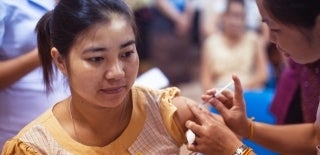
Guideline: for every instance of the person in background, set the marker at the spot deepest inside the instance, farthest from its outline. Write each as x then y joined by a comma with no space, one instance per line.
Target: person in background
105,113
173,40
294,28
22,92
234,50
143,16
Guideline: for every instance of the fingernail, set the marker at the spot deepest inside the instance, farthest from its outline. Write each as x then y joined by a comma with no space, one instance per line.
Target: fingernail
188,124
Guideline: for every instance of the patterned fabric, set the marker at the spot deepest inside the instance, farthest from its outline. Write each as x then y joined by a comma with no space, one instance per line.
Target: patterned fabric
150,131
307,77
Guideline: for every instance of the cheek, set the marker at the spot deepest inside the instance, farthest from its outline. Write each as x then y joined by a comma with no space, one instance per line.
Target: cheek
132,68
80,75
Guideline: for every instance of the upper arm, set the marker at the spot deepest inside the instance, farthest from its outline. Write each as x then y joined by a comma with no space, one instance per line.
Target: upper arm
183,112
16,146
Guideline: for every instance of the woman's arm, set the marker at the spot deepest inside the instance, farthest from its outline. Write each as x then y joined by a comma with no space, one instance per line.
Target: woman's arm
287,139
14,69
183,112
291,139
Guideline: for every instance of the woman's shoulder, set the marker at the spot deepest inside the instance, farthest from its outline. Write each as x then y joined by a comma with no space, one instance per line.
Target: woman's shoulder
39,120
42,134
168,91
16,146
26,136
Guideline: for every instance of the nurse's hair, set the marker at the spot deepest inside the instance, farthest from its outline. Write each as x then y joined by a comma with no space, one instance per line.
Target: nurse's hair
297,13
62,26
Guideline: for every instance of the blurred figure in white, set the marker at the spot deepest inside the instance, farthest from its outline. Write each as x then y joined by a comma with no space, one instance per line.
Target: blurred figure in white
22,92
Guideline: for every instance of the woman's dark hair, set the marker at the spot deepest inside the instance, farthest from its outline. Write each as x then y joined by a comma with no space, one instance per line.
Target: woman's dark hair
60,28
297,13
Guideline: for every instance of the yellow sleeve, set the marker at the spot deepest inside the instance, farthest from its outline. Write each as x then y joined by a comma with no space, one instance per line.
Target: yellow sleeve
168,110
16,146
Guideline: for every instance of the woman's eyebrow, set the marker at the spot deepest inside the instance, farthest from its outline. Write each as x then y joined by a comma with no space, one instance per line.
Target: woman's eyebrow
128,43
95,49
101,49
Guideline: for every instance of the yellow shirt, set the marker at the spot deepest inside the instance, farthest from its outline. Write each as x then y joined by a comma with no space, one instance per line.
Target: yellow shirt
153,129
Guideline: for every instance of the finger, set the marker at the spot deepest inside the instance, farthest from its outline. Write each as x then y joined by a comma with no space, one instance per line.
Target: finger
223,110
238,91
228,99
192,147
218,118
199,113
195,146
209,94
211,91
222,98
194,127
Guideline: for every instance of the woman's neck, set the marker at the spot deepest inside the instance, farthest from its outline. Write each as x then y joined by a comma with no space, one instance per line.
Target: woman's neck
90,123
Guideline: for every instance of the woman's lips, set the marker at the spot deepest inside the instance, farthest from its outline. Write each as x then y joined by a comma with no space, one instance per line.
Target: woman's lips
113,90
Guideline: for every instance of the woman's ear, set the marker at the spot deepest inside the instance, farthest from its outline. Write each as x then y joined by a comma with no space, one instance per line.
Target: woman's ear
59,60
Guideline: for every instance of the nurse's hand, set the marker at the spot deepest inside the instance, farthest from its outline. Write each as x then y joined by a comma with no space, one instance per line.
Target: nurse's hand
232,108
212,135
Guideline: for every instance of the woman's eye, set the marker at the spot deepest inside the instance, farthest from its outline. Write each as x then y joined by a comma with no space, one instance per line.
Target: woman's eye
127,54
275,30
95,59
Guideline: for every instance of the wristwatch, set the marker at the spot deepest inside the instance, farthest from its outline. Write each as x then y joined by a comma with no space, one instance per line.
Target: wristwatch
241,150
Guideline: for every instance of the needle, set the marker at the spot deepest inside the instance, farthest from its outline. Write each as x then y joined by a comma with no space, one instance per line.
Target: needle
217,93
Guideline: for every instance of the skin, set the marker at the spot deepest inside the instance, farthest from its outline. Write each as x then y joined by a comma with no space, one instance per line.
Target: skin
181,20
302,46
13,70
101,68
234,20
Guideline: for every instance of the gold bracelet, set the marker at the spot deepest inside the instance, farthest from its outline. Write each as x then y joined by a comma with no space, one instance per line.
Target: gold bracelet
247,151
243,150
251,128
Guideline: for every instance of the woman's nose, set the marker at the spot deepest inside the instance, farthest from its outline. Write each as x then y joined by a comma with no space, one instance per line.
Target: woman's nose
115,71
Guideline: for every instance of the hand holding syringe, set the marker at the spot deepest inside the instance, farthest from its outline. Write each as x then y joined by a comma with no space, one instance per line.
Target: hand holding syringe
217,93
189,134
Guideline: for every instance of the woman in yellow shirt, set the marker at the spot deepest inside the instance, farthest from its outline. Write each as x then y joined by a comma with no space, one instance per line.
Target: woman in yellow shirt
93,44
